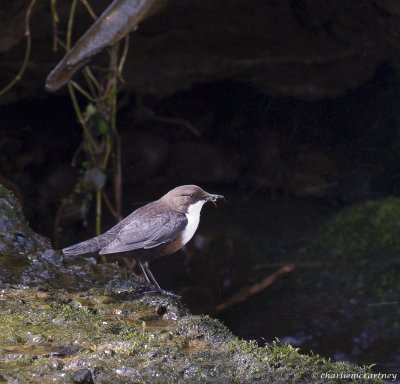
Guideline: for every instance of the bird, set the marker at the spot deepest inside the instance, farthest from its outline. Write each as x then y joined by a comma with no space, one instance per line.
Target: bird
157,229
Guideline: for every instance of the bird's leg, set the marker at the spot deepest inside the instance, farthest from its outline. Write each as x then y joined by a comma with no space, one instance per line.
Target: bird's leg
150,276
155,284
144,272
152,281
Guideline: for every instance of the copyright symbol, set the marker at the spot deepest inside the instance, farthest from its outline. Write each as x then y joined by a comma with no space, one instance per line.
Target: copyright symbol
314,375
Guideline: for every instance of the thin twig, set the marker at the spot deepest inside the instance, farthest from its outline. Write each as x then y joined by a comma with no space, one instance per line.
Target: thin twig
246,292
170,120
111,100
110,206
118,177
122,60
70,24
88,137
71,90
99,146
98,211
82,91
27,50
89,9
118,67
91,79
54,21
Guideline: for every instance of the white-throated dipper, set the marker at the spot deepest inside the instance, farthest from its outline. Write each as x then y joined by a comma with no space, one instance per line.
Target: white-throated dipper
157,229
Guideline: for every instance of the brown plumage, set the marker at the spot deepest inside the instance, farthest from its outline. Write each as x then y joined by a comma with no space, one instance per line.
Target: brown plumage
157,229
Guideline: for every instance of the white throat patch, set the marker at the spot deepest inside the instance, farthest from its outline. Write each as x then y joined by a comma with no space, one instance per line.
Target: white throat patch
193,216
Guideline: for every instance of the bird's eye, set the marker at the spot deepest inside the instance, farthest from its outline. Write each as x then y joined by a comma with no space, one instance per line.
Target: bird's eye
191,195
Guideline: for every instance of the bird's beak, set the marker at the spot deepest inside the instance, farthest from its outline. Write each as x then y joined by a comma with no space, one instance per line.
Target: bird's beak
214,198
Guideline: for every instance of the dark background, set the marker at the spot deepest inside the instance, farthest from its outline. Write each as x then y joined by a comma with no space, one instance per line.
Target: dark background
288,108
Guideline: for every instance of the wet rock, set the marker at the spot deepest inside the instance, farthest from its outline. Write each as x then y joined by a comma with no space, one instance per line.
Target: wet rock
190,348
83,376
15,235
28,258
53,257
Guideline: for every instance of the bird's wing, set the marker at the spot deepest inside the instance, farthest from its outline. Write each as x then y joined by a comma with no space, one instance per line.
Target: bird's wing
148,232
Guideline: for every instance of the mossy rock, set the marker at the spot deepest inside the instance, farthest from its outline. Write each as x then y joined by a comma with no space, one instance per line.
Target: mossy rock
364,242
364,228
52,336
353,289
76,321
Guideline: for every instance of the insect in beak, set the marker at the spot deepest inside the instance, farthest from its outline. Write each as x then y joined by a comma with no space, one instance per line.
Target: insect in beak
214,198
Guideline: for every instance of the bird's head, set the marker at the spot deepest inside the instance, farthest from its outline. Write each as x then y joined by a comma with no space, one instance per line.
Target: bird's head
188,197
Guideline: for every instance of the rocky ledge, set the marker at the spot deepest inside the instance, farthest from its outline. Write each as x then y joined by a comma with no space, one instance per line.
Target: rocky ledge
64,320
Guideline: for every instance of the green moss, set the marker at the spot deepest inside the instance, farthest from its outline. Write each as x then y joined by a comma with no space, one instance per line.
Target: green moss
54,334
364,242
202,327
359,229
67,312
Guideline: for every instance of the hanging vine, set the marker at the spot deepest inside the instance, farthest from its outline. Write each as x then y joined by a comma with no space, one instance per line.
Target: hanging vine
97,116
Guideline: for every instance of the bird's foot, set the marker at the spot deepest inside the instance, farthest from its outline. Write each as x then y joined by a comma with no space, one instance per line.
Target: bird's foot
150,290
170,294
144,289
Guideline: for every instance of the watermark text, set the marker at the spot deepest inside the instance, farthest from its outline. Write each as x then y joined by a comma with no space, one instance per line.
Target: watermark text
356,376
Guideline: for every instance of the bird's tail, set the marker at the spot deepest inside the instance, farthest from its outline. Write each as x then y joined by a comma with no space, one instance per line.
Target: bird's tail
88,246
